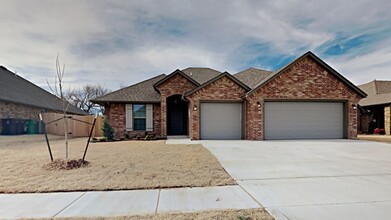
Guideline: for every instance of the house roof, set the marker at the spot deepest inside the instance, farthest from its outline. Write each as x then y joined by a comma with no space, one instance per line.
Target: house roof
201,74
379,92
140,92
252,76
177,71
215,79
251,79
317,60
16,89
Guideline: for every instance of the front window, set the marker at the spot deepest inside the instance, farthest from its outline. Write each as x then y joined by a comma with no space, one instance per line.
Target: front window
139,117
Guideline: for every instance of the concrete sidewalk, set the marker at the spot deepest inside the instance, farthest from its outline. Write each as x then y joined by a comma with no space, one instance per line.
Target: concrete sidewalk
123,203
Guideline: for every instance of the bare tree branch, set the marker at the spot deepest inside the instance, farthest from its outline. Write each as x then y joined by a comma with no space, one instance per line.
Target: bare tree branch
81,97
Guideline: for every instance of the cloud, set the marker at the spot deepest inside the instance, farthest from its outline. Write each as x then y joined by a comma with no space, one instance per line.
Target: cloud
121,42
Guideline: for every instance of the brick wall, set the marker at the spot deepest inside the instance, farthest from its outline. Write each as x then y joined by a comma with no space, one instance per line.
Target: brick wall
116,115
223,89
18,111
13,110
176,85
305,80
387,119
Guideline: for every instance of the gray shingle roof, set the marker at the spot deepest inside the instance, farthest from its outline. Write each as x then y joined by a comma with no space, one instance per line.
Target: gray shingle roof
379,92
252,76
14,88
139,92
201,74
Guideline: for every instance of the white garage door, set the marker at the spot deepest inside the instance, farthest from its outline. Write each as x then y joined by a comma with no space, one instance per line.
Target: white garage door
221,121
303,120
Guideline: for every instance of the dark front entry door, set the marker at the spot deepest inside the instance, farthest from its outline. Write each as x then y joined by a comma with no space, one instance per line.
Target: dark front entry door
177,116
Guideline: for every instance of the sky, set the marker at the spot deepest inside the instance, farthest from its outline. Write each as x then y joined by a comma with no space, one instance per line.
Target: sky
118,43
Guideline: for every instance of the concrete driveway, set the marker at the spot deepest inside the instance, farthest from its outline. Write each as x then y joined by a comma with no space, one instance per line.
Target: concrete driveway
325,179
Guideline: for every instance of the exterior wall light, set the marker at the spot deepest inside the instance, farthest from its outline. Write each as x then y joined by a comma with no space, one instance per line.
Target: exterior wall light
258,104
354,106
195,108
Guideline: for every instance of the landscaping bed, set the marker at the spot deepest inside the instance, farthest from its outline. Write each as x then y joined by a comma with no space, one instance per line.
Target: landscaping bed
113,166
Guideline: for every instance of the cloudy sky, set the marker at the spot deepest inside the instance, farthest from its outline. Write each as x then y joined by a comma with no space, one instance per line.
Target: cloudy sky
117,43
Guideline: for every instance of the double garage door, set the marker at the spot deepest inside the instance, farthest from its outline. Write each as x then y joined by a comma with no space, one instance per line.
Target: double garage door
304,120
282,120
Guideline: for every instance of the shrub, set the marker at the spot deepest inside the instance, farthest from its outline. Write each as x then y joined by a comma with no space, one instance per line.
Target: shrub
379,131
107,130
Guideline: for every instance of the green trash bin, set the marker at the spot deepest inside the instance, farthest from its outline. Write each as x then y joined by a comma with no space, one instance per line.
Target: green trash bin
32,127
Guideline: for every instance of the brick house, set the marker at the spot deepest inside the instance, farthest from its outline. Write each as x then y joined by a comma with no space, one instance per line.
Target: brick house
305,99
375,109
21,99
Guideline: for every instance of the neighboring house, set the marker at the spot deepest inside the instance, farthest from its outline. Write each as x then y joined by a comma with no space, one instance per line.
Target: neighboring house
21,99
375,108
306,99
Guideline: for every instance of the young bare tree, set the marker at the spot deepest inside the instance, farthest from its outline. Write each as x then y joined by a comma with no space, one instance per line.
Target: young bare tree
81,97
57,89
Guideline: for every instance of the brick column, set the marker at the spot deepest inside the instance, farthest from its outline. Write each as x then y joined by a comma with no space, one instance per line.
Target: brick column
163,106
387,120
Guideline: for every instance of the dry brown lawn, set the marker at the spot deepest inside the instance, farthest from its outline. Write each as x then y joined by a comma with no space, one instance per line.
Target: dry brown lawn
229,214
114,166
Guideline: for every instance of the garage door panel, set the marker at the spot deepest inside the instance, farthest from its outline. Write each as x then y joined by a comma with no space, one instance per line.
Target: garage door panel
221,121
303,120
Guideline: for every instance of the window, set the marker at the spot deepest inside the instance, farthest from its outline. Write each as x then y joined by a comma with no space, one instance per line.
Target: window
139,117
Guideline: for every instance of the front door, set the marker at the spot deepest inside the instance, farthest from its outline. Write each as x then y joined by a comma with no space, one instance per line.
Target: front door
176,115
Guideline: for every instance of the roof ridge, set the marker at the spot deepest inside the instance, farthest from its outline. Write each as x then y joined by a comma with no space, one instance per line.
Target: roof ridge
33,84
71,108
377,92
146,80
253,68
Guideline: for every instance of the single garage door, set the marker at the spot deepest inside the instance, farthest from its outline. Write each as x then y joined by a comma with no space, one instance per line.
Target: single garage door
304,120
221,121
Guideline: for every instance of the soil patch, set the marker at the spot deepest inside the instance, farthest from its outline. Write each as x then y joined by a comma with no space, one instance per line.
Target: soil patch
60,164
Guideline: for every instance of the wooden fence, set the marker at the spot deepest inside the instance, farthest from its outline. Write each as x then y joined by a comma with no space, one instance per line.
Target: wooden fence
76,128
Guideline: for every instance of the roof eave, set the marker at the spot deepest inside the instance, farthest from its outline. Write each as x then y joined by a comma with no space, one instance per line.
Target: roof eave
42,107
100,102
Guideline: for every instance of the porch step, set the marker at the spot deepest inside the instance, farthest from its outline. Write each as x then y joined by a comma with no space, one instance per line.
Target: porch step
177,137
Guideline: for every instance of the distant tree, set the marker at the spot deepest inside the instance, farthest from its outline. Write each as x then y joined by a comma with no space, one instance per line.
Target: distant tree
107,130
81,97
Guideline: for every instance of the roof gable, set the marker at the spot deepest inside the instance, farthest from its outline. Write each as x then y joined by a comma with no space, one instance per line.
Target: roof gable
16,89
320,62
176,72
231,77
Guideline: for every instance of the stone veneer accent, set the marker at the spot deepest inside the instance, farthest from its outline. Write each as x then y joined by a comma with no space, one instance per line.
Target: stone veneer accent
176,85
115,114
387,119
223,89
304,80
